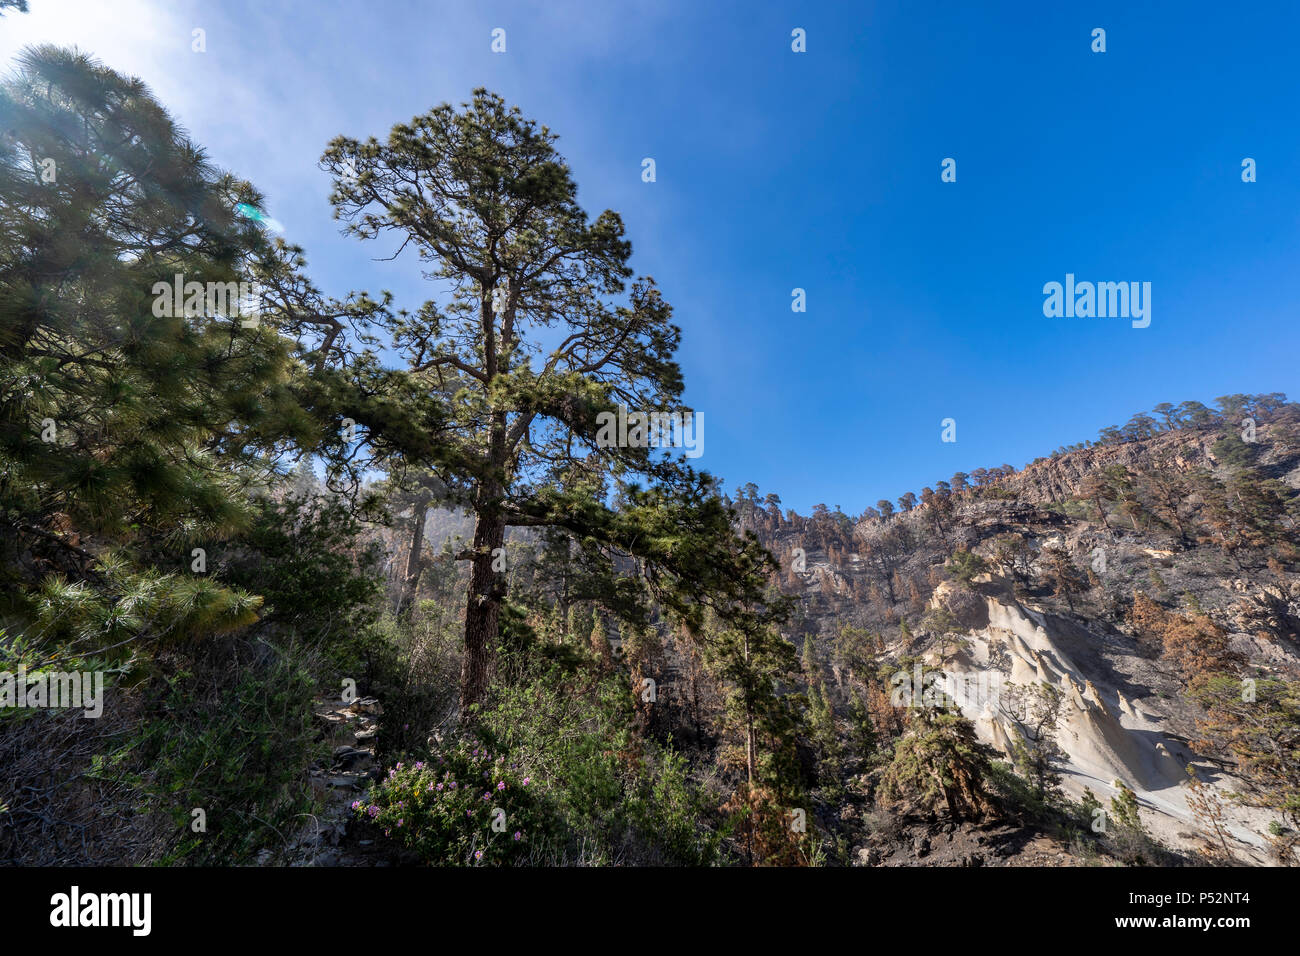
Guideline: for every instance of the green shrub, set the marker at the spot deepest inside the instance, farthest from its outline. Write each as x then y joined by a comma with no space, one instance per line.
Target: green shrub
235,737
306,556
596,792
465,806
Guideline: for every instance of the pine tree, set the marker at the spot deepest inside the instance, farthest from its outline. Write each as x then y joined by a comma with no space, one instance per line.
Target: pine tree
1124,809
131,435
1035,711
824,734
758,668
490,206
112,416
1260,730
862,730
598,641
939,762
965,566
1094,488
1063,574
811,666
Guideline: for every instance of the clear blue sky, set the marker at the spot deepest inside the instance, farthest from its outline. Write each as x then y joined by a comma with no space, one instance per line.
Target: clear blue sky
821,170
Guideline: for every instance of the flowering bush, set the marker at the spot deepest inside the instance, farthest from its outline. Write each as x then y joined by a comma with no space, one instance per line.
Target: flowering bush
465,806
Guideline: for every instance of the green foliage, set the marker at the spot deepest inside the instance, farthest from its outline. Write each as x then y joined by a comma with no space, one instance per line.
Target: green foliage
1018,797
1124,809
131,433
112,417
462,807
1127,839
824,736
121,616
940,762
620,798
1088,806
595,793
234,738
862,732
759,669
856,648
1232,451
496,219
319,580
965,565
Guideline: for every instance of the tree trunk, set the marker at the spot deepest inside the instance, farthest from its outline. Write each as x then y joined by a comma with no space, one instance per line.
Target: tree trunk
953,809
482,609
487,589
414,560
749,726
1101,512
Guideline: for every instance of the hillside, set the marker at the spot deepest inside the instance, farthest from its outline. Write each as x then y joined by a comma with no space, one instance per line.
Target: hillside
1192,519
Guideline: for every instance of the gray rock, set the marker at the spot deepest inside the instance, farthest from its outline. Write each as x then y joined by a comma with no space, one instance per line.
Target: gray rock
350,758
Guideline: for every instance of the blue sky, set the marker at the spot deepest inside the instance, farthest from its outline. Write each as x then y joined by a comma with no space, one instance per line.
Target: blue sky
821,170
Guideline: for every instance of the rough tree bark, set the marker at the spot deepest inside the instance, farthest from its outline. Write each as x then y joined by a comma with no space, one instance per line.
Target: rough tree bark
487,588
414,558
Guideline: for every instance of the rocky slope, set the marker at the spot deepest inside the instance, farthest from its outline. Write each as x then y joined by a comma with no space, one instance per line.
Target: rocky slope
1125,717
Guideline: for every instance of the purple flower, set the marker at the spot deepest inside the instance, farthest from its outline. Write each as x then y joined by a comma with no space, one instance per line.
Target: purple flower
431,786
518,835
478,854
419,765
501,785
356,804
526,780
453,785
400,822
373,811
399,765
